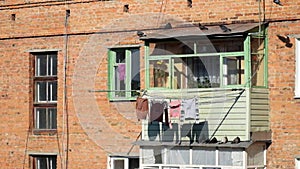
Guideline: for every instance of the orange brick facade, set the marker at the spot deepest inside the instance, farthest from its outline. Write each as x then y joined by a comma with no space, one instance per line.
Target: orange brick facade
89,126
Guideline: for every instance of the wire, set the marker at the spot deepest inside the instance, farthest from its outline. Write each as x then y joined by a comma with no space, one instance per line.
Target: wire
65,131
26,146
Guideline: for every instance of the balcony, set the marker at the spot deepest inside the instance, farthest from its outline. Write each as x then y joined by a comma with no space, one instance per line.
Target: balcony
220,112
225,76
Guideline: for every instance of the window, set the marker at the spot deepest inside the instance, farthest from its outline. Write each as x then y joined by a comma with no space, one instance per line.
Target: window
297,76
43,162
206,63
196,64
123,162
124,73
211,157
45,90
258,61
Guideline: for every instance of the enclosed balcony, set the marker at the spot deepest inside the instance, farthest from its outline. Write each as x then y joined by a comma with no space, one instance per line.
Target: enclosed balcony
224,75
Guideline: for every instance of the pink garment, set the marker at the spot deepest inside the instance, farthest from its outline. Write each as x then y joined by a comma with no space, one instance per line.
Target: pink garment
121,71
174,108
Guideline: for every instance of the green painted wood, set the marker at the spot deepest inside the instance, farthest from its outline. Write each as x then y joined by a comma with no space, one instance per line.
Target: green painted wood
259,109
213,109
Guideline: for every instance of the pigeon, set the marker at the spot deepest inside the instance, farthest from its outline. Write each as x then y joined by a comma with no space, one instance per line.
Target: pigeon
213,140
140,34
224,140
277,2
224,28
285,40
236,140
202,27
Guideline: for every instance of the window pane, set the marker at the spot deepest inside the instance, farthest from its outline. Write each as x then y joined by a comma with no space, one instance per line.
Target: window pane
120,73
231,157
256,155
204,156
159,73
41,91
52,65
171,48
42,163
118,164
178,156
40,118
257,61
203,72
220,45
147,156
135,71
41,65
52,91
45,162
233,70
120,56
52,118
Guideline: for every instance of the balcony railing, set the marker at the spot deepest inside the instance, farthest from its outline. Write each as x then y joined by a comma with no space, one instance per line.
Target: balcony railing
221,112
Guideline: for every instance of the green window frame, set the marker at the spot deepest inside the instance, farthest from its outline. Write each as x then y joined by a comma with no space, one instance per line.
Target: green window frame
124,73
242,70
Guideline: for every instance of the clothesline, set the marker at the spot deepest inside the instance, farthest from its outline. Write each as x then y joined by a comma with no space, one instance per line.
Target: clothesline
179,90
205,95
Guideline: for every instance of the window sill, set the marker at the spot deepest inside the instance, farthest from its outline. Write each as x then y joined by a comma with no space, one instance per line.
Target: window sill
297,97
49,132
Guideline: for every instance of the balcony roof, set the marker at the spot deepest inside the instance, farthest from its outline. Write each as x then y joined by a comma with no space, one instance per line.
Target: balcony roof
193,31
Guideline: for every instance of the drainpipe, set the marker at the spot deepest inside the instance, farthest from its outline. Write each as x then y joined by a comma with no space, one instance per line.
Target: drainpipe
65,101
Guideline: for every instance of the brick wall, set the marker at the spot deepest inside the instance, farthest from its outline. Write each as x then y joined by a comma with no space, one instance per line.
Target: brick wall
284,115
98,127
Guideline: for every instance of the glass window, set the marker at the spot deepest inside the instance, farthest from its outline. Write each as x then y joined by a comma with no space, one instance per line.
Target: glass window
46,91
45,118
124,72
45,87
258,61
171,48
256,155
45,65
233,70
159,73
204,156
203,72
228,157
152,155
178,155
44,162
197,64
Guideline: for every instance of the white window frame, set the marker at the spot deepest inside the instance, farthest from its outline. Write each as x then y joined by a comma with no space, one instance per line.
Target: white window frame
297,66
297,163
49,158
49,118
112,159
50,90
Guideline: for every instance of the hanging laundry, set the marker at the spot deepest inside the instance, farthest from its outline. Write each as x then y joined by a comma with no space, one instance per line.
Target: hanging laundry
174,108
189,108
141,108
157,110
121,71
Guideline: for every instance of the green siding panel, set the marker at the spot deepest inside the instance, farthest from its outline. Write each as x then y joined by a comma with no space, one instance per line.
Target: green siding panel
259,105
